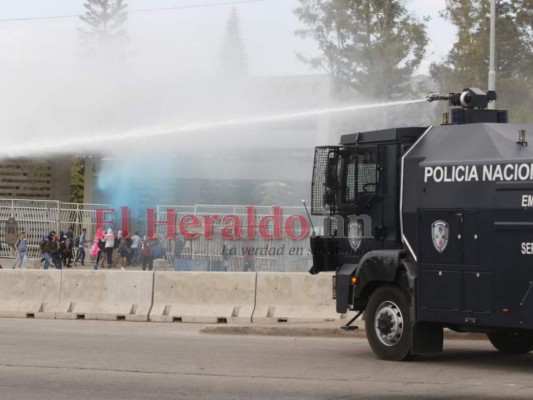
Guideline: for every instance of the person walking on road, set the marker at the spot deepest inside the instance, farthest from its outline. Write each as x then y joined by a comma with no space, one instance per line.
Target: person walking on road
21,248
146,254
109,239
46,248
179,246
80,243
124,250
56,252
136,242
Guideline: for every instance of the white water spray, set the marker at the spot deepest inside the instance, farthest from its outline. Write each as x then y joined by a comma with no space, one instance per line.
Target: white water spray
94,143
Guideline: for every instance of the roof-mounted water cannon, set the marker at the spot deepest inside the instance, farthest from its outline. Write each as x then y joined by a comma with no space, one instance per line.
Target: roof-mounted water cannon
473,103
469,98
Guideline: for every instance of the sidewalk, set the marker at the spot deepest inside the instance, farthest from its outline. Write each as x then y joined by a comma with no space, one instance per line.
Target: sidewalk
34,263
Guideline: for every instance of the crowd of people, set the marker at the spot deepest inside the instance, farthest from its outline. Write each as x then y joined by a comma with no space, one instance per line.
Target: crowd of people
107,249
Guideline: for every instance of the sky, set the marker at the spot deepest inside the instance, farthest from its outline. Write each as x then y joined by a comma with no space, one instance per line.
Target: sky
50,87
267,28
164,98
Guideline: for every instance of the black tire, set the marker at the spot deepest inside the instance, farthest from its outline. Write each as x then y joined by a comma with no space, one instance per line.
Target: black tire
388,324
512,343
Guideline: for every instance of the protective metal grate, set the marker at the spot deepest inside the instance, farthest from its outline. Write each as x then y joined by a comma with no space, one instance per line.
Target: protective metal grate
318,185
367,172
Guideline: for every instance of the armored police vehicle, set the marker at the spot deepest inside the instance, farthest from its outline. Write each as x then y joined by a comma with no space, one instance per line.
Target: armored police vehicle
431,228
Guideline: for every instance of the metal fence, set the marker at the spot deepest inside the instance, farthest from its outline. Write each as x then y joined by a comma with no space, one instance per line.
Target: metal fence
38,217
218,253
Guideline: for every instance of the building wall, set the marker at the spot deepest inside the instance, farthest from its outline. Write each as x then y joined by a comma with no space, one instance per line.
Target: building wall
35,179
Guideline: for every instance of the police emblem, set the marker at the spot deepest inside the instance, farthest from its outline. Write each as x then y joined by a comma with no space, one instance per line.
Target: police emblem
439,231
355,234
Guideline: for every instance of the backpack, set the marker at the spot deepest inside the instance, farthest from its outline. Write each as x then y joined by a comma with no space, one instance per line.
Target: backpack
49,246
77,242
158,251
123,246
21,246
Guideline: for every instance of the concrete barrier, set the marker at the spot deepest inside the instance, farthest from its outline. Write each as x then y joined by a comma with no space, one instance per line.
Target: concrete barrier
217,297
107,295
161,264
34,263
29,293
294,297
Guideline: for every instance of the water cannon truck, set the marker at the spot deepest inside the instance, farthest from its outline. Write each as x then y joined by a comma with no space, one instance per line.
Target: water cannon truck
431,228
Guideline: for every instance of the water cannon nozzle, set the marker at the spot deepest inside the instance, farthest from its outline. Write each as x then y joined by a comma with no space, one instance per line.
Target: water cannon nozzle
436,97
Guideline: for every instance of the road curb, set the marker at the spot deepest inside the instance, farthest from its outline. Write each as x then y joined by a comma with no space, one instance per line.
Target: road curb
315,331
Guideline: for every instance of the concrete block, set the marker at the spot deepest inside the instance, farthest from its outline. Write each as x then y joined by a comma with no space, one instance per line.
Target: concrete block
34,263
106,295
161,264
294,297
205,297
29,293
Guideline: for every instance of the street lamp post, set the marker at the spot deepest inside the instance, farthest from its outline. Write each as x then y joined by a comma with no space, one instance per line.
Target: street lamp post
492,68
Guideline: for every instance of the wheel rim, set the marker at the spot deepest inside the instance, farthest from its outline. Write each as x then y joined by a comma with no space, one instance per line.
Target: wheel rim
388,323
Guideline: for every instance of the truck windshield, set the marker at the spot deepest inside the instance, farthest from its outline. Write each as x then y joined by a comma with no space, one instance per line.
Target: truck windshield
359,177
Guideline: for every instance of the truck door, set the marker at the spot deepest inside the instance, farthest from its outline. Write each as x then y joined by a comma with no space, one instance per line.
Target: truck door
441,252
450,277
360,200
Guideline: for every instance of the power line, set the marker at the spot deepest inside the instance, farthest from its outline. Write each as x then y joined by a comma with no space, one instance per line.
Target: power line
205,5
228,3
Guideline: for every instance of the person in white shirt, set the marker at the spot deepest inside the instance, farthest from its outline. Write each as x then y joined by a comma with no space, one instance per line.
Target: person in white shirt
135,248
109,239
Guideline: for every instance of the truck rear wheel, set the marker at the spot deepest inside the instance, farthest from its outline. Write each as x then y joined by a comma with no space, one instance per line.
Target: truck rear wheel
512,343
388,326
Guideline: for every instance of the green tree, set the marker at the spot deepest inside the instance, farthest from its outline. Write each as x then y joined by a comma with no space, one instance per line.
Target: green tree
105,20
467,63
77,173
233,62
372,46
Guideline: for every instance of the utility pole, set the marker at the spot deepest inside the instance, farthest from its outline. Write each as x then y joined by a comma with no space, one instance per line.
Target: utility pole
492,68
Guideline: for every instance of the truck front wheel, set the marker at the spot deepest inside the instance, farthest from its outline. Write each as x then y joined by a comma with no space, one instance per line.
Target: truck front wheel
512,343
388,326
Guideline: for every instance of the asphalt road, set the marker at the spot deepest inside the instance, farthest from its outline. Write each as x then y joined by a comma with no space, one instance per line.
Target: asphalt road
52,359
